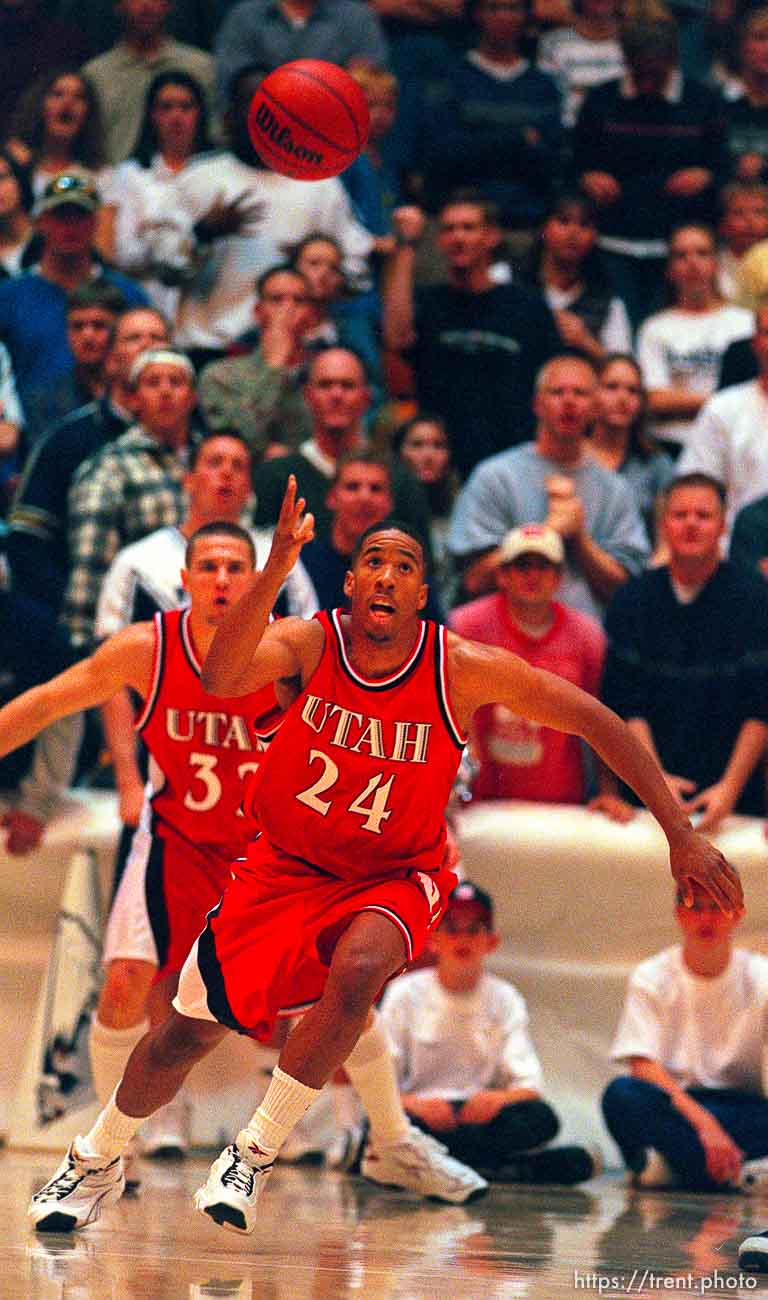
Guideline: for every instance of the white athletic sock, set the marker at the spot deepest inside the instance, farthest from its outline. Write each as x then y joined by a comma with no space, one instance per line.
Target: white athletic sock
109,1050
372,1071
284,1103
346,1105
111,1133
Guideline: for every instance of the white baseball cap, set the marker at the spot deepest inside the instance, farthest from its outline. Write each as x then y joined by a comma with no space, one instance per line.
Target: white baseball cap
532,539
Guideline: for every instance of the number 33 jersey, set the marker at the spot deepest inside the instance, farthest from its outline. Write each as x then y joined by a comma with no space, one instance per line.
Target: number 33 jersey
202,748
357,779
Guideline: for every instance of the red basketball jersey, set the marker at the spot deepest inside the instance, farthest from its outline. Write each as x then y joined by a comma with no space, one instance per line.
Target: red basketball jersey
201,747
357,779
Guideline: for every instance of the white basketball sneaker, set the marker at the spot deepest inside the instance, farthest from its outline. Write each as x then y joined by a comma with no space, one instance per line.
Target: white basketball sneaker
753,1253
79,1190
419,1163
231,1191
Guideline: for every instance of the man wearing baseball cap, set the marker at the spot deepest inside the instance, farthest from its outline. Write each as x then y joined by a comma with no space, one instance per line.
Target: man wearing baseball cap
33,306
520,759
467,1069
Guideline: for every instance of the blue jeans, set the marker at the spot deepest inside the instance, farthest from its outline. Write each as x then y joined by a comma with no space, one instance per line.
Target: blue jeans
640,1115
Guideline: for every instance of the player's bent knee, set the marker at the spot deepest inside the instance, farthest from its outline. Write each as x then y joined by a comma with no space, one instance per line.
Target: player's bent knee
182,1040
357,979
122,1001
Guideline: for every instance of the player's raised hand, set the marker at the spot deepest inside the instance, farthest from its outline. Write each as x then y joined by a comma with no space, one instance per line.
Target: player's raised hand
294,529
693,859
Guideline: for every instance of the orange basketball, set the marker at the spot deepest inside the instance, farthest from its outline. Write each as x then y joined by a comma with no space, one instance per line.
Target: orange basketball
308,119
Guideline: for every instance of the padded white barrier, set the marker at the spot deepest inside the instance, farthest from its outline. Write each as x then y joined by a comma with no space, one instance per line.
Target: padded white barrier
579,901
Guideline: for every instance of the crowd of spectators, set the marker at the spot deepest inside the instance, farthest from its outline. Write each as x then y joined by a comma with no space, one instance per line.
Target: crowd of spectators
529,307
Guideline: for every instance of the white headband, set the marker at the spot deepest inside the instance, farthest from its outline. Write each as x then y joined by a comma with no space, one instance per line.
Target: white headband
160,356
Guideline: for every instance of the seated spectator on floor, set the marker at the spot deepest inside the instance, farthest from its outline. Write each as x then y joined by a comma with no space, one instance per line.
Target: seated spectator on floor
467,1069
497,124
584,54
260,394
39,519
727,440
260,31
618,440
519,759
360,495
132,486
743,223
57,127
422,445
681,348
554,480
92,311
33,306
692,1111
17,250
687,664
650,150
337,396
246,219
122,74
565,266
475,346
154,238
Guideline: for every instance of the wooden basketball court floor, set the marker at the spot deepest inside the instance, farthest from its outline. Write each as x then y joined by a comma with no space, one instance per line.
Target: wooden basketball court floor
326,1236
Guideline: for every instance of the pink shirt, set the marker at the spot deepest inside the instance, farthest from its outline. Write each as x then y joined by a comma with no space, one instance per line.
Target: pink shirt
520,759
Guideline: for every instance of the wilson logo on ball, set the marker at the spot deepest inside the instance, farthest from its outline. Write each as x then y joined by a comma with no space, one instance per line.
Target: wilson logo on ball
281,137
308,119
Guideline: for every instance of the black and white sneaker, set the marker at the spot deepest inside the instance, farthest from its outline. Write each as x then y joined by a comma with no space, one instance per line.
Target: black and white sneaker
231,1191
753,1253
79,1190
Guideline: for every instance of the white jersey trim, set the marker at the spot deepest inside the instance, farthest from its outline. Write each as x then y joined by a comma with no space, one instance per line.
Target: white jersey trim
158,663
441,642
376,683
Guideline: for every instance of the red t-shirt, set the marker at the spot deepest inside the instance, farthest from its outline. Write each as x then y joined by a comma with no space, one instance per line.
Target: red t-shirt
520,759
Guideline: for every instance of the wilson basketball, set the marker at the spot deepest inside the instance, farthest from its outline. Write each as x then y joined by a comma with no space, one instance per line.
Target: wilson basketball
308,119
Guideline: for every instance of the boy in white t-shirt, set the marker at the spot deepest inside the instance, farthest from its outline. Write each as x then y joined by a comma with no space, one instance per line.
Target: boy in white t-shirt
692,1112
467,1069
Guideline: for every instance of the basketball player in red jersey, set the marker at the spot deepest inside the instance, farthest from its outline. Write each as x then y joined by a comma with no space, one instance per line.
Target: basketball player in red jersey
348,875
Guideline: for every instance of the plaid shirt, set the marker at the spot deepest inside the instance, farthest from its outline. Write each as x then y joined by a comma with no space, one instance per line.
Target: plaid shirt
130,488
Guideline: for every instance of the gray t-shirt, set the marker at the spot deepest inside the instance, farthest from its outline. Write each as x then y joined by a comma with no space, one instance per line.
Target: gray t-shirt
507,490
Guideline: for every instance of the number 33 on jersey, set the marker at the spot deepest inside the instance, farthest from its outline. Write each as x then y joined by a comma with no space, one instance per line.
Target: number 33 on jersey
202,748
357,779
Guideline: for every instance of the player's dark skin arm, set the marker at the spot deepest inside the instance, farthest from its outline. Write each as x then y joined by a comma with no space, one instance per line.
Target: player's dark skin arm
247,652
487,675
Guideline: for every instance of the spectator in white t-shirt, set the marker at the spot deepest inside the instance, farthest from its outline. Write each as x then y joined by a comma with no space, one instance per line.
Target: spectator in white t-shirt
692,1111
728,439
680,348
585,54
467,1069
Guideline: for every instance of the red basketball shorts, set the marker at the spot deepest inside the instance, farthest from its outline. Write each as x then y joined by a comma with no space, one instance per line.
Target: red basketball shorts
266,949
168,888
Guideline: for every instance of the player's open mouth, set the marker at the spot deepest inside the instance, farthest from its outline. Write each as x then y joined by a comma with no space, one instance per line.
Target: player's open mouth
381,608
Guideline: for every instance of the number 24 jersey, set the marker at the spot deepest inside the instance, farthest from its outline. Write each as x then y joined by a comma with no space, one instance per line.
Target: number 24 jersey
357,779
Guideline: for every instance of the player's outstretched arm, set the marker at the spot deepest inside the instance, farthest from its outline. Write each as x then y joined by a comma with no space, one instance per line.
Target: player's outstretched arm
246,651
487,675
123,660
